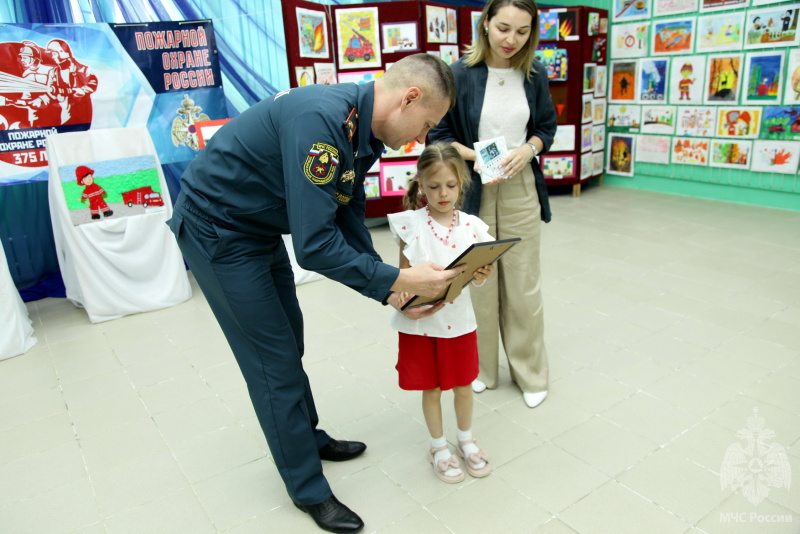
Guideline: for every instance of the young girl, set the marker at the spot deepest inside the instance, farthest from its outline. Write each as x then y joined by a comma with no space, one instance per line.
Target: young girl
440,352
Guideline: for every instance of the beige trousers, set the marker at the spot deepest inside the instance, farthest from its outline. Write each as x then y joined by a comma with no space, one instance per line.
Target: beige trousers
508,306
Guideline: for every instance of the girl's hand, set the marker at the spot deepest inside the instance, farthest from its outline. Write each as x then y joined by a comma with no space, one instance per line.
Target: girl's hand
516,160
482,273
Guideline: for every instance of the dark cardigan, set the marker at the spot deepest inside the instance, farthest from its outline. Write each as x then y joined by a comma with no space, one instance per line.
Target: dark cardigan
461,123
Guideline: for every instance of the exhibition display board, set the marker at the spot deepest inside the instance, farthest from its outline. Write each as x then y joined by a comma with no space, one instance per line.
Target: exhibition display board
109,205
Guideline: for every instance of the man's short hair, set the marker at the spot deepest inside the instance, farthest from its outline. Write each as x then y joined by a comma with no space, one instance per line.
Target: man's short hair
427,72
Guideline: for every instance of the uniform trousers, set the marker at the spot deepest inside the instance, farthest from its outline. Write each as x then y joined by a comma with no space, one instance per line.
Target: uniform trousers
508,306
249,285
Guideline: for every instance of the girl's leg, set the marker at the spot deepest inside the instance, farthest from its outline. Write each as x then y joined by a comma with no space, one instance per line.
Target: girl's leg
432,410
463,406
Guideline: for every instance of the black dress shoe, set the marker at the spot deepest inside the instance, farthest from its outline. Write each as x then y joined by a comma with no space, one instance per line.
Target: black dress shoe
333,516
339,451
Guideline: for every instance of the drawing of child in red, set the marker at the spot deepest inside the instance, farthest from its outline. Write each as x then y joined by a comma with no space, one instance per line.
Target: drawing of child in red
92,192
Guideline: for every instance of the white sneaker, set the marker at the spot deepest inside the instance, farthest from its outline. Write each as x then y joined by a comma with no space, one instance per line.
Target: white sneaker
478,386
531,399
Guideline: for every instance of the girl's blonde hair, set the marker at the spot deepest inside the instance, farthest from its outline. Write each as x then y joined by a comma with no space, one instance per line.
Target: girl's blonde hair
478,51
434,155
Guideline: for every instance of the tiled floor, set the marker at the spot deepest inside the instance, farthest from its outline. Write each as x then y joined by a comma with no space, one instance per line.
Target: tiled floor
669,321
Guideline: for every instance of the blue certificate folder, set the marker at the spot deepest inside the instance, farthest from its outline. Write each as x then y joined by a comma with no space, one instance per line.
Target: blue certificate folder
477,255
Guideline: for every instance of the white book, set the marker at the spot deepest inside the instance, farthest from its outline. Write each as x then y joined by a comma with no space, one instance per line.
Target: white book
489,154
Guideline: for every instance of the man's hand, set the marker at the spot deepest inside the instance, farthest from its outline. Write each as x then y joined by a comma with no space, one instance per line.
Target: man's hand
396,300
425,279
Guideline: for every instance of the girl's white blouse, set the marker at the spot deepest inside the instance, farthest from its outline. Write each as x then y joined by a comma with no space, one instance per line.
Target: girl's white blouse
421,245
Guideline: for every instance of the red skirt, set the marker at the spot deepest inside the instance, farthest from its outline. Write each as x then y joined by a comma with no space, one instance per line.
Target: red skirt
426,362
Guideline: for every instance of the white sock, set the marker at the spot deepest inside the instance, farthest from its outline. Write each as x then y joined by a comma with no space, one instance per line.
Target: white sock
469,447
443,454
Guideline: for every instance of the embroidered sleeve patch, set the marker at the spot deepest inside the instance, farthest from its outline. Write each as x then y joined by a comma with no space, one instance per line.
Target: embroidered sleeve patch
321,163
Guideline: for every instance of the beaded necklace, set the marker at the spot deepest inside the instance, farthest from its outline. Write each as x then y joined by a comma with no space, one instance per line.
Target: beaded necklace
445,239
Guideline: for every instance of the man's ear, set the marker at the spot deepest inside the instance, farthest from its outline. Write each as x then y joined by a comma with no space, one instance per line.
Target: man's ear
413,94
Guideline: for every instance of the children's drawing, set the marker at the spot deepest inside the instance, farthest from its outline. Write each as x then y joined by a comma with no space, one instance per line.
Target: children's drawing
554,60
586,137
600,81
776,156
629,40
717,5
312,32
452,26
771,27
597,162
762,77
558,166
696,121
548,25
586,165
791,94
674,36
653,149
624,117
743,122
653,80
399,37
372,186
599,105
689,151
730,153
720,32
621,148
586,105
658,119
589,77
780,123
623,80
564,140
625,10
673,7
359,44
395,177
567,25
598,136
436,24
722,78
686,79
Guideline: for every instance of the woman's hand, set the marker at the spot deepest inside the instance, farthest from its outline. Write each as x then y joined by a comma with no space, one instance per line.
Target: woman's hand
516,160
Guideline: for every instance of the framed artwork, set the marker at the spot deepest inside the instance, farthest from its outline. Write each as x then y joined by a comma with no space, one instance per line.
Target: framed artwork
720,32
653,149
395,177
449,53
624,117
548,25
592,23
689,151
771,27
567,25
399,37
312,33
436,24
791,94
696,121
599,49
780,123
410,149
762,80
717,5
776,156
687,79
621,148
722,78
359,77
742,122
597,163
304,76
475,17
629,40
555,61
326,73
598,136
658,119
558,166
589,77
599,106
358,40
730,153
564,140
623,81
372,186
600,81
673,7
452,26
652,83
586,137
673,36
627,10
586,165
586,106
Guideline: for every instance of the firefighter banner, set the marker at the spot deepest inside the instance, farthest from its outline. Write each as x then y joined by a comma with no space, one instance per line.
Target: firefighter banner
68,78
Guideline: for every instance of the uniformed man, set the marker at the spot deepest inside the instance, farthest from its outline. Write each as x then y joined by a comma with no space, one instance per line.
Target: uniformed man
295,164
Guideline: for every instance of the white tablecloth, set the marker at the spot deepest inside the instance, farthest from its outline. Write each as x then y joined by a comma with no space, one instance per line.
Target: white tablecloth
16,332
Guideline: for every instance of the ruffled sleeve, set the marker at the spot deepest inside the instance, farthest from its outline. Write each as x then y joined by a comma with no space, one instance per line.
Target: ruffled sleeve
406,226
481,229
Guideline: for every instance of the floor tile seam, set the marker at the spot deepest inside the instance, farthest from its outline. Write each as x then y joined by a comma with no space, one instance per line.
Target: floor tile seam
660,506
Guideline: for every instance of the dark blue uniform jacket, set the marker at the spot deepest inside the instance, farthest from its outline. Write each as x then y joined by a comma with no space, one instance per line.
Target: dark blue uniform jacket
288,166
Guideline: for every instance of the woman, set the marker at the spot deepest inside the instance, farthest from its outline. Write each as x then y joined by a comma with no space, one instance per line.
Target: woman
502,91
